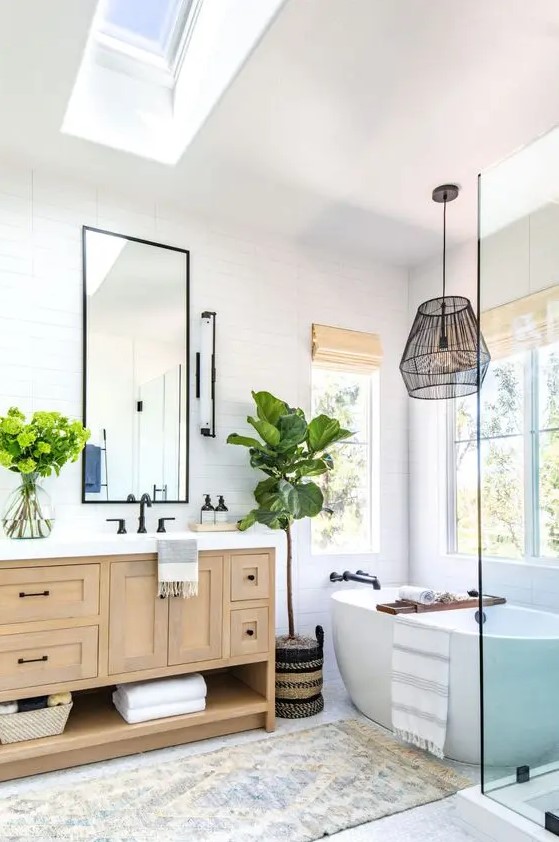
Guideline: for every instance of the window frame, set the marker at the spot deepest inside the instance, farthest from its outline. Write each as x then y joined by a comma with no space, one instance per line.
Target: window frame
531,439
372,443
124,53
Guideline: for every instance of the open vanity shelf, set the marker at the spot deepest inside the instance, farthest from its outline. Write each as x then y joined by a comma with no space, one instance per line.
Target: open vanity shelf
96,731
99,622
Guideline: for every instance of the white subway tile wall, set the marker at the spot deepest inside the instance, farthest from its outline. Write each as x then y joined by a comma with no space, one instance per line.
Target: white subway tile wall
266,294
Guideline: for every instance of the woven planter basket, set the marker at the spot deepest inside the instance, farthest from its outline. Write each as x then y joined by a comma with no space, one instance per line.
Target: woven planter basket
33,724
299,678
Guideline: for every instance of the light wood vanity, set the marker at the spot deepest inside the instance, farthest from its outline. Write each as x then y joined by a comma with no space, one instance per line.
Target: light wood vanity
86,623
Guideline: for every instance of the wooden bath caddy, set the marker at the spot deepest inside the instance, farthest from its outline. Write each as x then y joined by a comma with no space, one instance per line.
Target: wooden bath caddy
404,606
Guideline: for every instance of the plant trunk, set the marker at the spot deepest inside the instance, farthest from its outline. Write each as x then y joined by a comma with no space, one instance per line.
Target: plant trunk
290,621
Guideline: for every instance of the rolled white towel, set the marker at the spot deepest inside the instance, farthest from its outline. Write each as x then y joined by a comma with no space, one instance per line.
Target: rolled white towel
144,694
157,711
8,707
422,595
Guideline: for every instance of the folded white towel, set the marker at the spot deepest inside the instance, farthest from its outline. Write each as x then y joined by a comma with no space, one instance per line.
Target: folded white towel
157,711
424,596
8,707
420,676
178,567
182,688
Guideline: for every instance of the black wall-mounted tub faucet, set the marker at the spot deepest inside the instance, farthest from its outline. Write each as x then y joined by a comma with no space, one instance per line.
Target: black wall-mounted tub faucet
358,576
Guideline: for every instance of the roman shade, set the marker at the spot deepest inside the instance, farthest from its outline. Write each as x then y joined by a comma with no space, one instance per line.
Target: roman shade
521,325
345,350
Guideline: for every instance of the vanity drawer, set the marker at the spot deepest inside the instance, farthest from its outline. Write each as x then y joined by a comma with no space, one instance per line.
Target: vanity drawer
48,657
250,576
249,631
49,593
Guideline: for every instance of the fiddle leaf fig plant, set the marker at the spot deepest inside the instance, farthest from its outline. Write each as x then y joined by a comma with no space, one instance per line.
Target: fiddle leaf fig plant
290,451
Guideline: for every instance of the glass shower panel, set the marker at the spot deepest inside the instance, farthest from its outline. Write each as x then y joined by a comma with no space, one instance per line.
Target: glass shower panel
517,452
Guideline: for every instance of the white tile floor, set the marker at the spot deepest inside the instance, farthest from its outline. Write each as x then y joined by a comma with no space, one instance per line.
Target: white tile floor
435,822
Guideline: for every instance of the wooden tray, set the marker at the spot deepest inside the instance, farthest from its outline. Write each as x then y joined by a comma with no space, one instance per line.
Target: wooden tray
213,527
403,606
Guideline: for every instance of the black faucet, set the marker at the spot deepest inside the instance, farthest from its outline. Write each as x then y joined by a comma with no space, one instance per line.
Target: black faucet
145,500
359,576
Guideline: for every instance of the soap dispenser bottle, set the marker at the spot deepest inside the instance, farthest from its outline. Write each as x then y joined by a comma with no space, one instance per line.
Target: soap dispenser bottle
221,510
207,512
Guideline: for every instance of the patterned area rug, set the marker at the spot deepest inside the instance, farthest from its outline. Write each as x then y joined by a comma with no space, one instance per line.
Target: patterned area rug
295,788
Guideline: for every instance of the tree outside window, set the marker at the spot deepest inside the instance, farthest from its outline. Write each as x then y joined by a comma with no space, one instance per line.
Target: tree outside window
348,491
519,438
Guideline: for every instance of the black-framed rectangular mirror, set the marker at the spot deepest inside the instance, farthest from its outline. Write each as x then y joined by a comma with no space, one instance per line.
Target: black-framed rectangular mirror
135,369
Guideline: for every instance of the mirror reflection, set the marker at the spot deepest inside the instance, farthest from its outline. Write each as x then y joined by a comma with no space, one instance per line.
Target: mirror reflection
136,369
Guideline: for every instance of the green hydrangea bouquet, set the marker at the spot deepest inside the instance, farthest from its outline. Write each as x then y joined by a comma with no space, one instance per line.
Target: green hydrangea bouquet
33,449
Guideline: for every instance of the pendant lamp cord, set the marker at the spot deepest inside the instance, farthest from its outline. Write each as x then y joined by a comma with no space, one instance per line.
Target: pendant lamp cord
444,248
443,341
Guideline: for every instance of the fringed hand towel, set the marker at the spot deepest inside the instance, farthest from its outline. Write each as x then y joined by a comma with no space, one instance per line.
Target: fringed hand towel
178,568
420,676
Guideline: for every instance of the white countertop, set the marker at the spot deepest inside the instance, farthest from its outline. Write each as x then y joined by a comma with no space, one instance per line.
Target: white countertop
68,545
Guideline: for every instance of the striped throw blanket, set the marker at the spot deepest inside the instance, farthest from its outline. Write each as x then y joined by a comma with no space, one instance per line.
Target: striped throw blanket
420,677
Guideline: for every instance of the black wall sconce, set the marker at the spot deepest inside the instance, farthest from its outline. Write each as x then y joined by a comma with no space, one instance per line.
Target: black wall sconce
206,374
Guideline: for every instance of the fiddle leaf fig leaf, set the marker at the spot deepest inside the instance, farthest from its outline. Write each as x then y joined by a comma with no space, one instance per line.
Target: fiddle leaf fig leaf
264,488
244,441
311,467
269,433
290,497
246,522
271,519
268,407
292,429
324,431
310,499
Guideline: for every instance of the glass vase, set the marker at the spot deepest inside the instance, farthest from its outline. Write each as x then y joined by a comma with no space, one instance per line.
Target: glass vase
28,512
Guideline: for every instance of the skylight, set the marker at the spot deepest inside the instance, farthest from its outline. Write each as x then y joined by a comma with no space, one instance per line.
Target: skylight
153,70
153,31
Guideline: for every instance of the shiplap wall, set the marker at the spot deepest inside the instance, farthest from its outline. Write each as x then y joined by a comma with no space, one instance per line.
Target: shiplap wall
266,294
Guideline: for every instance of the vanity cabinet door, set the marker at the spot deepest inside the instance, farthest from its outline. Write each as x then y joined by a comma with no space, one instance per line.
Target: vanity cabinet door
138,618
195,624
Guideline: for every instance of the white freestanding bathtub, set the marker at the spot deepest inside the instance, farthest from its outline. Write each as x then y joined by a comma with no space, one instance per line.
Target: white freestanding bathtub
521,660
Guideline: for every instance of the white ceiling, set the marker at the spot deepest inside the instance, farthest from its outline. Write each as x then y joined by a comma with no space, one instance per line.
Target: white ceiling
339,125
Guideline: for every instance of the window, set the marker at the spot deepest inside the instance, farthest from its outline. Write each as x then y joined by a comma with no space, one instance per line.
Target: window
154,33
519,438
153,70
349,490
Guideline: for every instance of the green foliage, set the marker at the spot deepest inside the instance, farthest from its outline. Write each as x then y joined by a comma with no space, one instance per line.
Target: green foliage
41,446
502,478
502,458
346,490
291,451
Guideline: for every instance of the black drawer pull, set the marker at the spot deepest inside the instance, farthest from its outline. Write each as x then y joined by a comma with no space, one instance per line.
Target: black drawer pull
250,632
251,577
32,660
22,594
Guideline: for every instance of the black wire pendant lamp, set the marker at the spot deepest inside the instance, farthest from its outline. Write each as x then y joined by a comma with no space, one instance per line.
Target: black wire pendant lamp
440,359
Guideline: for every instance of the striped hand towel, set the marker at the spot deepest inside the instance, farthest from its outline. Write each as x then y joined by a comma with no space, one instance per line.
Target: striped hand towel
420,676
178,567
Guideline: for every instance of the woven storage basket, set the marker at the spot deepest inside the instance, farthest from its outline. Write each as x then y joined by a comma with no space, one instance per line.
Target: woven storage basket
33,724
299,678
